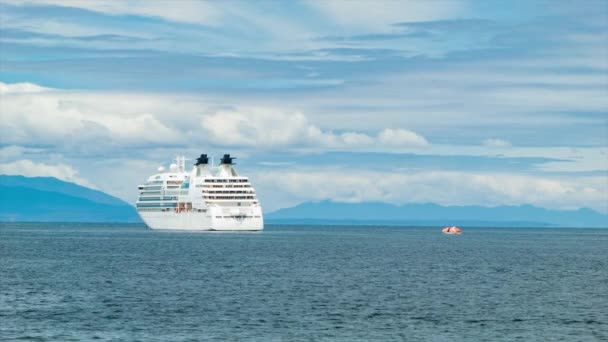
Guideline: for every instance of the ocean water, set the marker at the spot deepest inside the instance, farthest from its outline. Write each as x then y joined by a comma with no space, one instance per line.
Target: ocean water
64,282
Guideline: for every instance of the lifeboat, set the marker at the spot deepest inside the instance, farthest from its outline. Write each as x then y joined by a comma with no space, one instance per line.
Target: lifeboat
453,230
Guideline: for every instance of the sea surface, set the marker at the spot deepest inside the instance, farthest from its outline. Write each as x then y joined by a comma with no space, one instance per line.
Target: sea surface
73,282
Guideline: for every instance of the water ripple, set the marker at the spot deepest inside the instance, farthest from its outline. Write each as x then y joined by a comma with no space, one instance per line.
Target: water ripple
115,283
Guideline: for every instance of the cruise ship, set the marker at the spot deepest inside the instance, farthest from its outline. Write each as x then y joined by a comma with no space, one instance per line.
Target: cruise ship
205,198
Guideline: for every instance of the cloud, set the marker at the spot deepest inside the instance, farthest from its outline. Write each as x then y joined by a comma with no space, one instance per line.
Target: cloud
187,11
96,123
267,127
14,151
379,15
91,121
28,168
446,188
263,127
494,142
401,137
19,88
542,94
262,83
32,115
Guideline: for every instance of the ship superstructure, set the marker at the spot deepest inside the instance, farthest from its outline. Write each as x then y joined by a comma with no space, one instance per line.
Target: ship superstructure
205,198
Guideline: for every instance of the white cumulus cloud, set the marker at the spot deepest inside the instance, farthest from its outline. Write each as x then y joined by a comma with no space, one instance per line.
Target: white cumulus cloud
28,168
24,87
32,116
85,120
442,187
267,127
401,137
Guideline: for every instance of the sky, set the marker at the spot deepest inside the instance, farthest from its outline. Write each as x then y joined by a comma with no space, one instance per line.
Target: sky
452,102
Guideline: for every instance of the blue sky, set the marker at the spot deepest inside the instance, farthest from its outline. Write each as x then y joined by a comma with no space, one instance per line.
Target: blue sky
454,102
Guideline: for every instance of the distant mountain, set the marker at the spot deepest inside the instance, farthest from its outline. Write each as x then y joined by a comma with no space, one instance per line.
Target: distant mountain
328,212
47,199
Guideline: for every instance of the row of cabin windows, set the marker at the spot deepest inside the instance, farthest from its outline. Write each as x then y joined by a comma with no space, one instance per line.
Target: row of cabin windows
229,197
160,182
176,192
239,216
152,187
169,198
169,209
228,191
149,192
225,180
157,205
155,209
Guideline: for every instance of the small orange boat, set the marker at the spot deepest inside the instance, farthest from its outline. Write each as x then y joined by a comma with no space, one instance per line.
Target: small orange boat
453,230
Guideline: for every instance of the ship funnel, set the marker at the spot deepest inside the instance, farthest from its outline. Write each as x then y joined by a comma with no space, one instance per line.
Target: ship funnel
226,159
202,160
225,168
201,166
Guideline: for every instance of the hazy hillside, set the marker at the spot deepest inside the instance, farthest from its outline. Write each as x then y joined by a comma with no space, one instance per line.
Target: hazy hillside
433,214
50,199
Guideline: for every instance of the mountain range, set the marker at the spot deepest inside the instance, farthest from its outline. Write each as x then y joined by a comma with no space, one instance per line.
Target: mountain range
328,212
47,199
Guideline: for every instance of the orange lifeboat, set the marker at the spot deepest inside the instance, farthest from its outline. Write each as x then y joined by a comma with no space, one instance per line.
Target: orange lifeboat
453,230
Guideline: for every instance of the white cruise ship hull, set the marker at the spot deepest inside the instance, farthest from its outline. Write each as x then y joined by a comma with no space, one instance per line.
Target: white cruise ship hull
200,221
199,200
